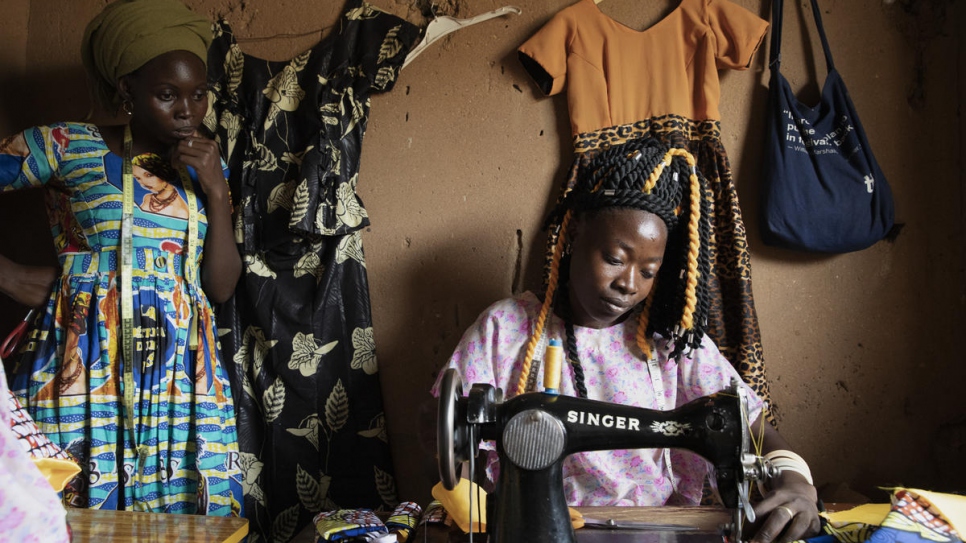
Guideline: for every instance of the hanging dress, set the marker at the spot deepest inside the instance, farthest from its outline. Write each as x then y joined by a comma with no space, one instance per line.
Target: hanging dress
183,454
662,83
299,328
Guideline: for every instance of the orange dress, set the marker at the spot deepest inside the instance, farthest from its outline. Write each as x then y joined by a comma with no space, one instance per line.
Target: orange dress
663,83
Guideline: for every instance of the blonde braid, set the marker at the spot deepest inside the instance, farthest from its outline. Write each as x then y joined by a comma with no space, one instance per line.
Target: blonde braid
694,242
547,304
656,173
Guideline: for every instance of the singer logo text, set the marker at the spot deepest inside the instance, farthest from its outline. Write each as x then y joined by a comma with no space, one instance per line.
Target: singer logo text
606,421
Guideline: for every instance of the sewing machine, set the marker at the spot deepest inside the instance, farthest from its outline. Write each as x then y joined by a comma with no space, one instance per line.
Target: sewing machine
534,432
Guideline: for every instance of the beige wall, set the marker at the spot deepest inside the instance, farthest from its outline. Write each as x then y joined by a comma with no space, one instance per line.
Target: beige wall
864,351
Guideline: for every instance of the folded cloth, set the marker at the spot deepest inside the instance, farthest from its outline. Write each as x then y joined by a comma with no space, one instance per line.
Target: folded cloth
914,516
917,517
345,524
435,514
403,519
54,463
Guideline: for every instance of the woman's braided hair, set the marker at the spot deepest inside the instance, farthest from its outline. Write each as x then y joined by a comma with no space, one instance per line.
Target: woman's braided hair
646,175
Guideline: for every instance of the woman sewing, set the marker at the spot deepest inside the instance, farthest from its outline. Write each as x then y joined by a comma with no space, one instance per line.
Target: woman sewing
627,298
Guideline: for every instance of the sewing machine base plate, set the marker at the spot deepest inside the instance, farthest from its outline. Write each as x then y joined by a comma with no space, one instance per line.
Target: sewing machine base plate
617,536
706,522
631,536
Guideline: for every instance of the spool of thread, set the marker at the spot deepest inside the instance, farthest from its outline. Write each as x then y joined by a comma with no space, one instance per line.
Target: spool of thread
551,367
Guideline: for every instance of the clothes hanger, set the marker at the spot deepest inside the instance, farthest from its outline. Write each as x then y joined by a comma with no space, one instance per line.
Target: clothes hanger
444,24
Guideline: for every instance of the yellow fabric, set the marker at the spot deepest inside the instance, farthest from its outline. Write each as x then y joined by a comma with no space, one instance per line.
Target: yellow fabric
57,471
615,75
457,504
129,33
871,513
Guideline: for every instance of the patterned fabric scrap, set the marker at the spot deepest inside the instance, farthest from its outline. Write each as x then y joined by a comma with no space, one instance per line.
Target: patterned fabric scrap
34,442
915,516
403,519
914,519
435,514
345,524
54,463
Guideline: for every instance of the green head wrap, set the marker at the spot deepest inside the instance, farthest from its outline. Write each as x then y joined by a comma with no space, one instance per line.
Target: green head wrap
129,33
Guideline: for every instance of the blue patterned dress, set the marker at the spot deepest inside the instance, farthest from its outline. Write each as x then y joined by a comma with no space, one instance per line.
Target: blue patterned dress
183,454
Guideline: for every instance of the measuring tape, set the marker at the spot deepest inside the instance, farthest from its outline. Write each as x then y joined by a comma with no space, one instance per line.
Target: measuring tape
127,285
657,381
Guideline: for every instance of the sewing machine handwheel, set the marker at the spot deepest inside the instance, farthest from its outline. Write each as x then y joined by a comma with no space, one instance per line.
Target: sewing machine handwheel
450,393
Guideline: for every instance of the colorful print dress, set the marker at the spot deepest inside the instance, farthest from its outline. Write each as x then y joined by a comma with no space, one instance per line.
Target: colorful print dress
183,454
622,84
298,332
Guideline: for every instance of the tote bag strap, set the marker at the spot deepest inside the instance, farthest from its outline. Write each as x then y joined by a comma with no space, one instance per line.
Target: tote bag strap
777,15
775,53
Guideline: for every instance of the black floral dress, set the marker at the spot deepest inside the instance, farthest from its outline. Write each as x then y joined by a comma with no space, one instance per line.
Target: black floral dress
297,336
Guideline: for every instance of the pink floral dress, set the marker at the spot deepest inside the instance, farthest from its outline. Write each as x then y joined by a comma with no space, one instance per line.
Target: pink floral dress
30,510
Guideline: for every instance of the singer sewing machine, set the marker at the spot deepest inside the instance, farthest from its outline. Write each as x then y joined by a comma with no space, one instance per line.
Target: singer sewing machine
534,432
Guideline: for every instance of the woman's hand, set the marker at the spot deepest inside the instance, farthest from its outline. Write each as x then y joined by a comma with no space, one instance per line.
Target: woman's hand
201,153
28,285
789,510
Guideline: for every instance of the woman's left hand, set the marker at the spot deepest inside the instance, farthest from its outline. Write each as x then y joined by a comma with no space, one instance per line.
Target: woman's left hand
201,153
28,285
789,510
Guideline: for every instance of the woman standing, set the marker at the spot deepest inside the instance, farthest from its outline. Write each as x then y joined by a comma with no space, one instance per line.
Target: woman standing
122,367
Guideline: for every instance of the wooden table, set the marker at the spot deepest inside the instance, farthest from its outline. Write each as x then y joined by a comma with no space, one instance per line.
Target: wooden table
703,519
96,526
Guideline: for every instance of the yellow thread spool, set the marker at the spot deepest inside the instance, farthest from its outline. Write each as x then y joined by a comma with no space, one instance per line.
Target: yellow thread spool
551,367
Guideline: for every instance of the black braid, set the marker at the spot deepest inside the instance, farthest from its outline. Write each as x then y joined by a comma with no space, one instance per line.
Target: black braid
562,306
574,360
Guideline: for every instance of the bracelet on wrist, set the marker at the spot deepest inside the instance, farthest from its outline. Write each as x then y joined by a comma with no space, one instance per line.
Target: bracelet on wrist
785,460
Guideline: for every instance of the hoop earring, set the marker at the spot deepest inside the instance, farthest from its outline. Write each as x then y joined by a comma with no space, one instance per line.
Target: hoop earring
128,107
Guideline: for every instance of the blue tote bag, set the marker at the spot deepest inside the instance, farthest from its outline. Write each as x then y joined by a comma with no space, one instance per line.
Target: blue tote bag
822,189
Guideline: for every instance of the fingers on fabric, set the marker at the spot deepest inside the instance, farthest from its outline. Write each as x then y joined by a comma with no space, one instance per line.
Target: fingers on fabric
798,528
773,525
784,524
